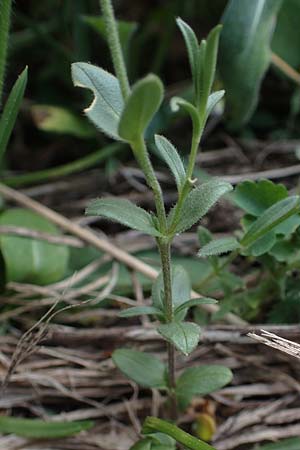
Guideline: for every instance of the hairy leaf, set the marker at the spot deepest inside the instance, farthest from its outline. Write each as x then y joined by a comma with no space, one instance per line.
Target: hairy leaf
171,157
39,429
199,201
124,212
201,381
178,102
142,104
192,45
144,369
219,246
195,302
245,53
139,310
184,335
213,100
107,106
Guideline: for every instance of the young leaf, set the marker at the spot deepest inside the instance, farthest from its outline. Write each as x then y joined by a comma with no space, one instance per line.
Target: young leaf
201,381
11,109
107,106
219,246
245,53
178,102
270,218
181,289
171,157
184,335
124,212
192,45
199,201
195,302
139,310
39,429
142,104
29,260
213,100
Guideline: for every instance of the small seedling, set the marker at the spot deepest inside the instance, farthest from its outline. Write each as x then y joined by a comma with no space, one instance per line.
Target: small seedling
124,113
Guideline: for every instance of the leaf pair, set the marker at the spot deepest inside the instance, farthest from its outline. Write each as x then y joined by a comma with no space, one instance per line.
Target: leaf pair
108,112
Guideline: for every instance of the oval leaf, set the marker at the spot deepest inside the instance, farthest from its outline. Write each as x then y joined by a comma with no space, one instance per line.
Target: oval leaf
39,429
219,246
183,335
107,106
144,369
201,381
199,201
124,212
142,104
31,260
171,157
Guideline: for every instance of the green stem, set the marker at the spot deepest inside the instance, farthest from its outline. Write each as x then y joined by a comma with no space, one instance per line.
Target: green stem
5,11
115,46
153,424
66,169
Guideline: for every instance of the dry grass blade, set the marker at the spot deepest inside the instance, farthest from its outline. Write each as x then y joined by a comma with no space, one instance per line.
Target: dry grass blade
272,340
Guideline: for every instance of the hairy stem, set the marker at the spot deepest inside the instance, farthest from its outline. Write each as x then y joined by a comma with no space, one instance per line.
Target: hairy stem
113,39
5,11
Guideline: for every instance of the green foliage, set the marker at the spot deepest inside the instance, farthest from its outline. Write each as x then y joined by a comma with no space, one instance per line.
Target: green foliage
39,429
219,246
27,259
155,441
106,109
285,444
201,381
184,335
144,369
141,310
10,111
194,302
142,104
124,212
245,54
171,157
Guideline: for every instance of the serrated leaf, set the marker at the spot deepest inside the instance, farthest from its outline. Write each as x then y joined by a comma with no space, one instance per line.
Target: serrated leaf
201,381
198,203
39,429
181,289
11,109
183,335
255,197
192,45
213,100
30,260
195,302
124,212
139,310
107,106
171,157
143,102
245,53
218,247
144,369
270,218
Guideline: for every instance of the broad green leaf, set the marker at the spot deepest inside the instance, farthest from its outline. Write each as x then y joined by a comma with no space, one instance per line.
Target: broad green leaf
143,102
139,310
39,429
255,197
181,289
124,212
199,201
219,246
285,444
210,61
245,53
31,260
11,109
184,335
201,381
142,444
270,218
144,369
195,302
107,106
125,29
213,100
171,157
178,102
56,119
192,45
